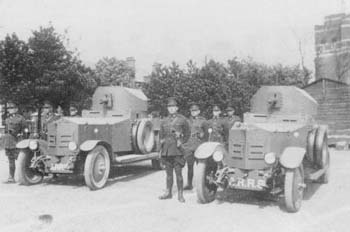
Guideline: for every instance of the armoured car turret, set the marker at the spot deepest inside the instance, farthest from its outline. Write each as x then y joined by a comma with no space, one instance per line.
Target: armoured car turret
114,132
277,149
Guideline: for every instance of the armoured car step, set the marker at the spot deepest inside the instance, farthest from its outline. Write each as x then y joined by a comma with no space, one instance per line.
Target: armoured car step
135,157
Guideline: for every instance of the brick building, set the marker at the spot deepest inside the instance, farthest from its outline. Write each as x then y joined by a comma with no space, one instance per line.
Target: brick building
332,43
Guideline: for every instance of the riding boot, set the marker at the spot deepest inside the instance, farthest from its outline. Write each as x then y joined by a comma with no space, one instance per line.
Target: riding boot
189,185
169,184
166,195
180,195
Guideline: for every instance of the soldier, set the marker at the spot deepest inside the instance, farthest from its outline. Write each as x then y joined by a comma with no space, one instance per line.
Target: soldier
47,117
231,117
199,134
73,111
217,125
14,128
174,132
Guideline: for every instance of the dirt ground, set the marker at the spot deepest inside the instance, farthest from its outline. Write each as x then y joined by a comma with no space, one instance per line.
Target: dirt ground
130,203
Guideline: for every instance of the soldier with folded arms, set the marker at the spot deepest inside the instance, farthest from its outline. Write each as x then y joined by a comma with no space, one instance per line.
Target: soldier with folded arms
15,126
199,134
174,132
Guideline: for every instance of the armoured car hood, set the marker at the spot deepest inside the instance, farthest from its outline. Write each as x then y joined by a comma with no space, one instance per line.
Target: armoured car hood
94,121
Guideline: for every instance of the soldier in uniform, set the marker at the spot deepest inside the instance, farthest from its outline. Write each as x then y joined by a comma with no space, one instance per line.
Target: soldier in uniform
217,125
73,111
231,117
47,117
174,132
14,128
199,134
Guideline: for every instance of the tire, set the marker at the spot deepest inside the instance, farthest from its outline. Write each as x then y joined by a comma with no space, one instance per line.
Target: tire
321,139
26,175
206,192
97,167
293,189
145,136
310,148
324,179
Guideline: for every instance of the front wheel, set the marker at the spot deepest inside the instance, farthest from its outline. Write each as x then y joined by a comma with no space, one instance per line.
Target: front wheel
97,168
204,174
293,189
27,175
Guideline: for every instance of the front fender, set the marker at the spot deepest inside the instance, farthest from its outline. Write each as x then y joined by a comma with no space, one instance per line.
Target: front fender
89,145
292,157
205,150
23,144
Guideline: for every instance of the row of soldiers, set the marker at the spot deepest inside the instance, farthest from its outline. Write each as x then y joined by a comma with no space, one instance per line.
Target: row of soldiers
180,137
16,127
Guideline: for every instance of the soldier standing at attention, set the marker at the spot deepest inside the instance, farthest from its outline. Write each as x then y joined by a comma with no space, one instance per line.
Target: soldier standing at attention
47,117
14,127
231,117
217,126
199,134
174,132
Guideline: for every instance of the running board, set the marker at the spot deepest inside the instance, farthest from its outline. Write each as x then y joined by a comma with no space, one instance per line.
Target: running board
125,159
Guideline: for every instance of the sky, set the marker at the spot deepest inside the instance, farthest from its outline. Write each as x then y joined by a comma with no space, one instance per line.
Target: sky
268,31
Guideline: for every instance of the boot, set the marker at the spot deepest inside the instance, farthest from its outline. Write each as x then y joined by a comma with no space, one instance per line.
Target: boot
189,185
166,195
10,180
180,196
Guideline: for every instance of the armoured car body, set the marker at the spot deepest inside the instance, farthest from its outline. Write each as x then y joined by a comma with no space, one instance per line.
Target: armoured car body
277,149
114,132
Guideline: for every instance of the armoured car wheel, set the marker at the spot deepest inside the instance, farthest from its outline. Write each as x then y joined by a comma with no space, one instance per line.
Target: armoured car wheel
310,148
26,175
97,167
294,189
321,139
325,162
204,171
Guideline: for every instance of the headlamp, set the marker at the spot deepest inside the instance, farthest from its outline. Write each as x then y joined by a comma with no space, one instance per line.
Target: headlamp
72,146
33,145
218,156
270,158
210,130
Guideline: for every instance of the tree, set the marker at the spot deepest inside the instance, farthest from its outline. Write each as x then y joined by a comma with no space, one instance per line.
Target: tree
14,65
111,71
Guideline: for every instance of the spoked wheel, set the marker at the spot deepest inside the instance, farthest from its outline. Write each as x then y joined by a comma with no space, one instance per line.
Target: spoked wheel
27,175
204,174
97,168
325,163
294,189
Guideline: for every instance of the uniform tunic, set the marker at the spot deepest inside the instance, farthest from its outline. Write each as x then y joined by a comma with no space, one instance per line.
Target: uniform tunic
173,128
15,125
219,130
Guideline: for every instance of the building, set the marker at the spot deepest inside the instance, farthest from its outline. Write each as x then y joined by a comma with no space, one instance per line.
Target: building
332,44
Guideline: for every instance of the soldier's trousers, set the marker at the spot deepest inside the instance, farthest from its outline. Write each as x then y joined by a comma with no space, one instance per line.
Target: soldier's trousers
174,163
12,156
190,159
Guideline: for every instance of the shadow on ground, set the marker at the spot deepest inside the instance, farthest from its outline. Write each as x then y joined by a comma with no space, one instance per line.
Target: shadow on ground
117,174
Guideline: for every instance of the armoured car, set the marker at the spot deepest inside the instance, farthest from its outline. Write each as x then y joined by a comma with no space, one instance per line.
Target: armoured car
277,149
114,132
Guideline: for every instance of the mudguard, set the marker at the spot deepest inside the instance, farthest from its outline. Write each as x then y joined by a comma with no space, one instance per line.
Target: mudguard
24,144
89,145
292,157
205,150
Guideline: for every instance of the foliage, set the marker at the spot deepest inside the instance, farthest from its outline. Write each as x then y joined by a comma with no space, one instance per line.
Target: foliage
233,83
111,71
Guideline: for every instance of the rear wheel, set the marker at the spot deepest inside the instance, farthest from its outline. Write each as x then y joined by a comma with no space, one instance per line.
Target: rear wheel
293,189
97,168
27,175
204,173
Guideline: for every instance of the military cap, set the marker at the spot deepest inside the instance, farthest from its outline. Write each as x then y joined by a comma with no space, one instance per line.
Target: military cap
194,106
47,102
216,108
172,101
12,103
